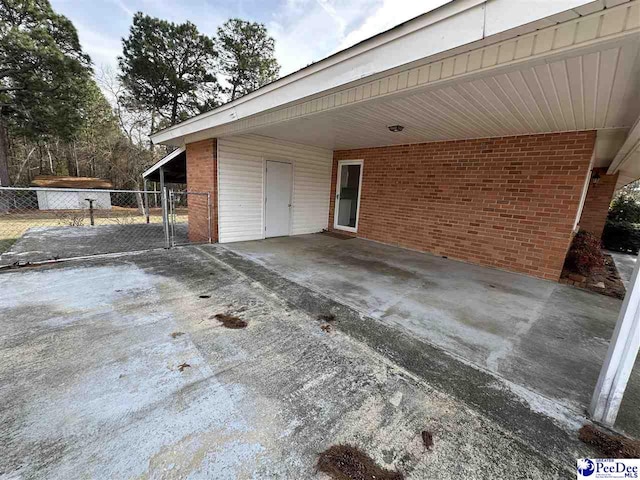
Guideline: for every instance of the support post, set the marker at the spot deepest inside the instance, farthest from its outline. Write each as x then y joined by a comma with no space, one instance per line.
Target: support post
209,215
621,357
165,209
146,198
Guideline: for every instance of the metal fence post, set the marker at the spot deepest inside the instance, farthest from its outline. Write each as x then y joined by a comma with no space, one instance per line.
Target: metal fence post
165,209
146,199
91,200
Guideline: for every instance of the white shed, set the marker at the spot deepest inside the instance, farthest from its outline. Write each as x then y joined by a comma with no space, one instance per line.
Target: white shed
71,193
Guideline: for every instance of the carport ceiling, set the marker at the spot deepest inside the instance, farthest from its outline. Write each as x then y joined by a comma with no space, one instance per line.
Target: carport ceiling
596,88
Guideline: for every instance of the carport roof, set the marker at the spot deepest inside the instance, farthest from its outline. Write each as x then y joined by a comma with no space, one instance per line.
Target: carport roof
175,168
469,69
55,181
439,33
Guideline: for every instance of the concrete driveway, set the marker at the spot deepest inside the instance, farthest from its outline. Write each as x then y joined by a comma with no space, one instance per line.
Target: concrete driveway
625,263
115,368
39,244
548,340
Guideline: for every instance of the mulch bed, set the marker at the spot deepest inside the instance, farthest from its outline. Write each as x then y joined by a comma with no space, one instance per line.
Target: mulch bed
344,462
611,446
604,280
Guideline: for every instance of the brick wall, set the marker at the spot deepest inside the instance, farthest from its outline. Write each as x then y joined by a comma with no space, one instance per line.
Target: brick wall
596,203
202,171
509,202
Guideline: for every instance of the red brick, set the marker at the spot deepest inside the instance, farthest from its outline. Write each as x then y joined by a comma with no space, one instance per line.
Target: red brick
597,201
202,171
507,202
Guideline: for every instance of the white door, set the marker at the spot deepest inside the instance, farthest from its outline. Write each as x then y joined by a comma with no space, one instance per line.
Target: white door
277,201
348,188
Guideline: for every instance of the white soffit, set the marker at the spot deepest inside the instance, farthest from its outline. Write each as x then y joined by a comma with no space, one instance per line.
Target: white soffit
596,90
581,75
627,161
450,28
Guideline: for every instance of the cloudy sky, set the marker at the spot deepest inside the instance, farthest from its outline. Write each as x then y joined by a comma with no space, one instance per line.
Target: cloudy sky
305,30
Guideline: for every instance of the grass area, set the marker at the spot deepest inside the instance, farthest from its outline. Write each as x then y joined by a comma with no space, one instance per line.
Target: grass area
13,225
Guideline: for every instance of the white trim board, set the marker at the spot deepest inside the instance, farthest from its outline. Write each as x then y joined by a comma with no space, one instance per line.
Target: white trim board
336,209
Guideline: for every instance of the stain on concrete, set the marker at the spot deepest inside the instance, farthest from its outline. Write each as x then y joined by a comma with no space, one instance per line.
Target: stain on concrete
230,321
549,337
262,404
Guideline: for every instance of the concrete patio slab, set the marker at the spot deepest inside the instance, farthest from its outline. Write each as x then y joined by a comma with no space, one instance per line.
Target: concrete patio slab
40,244
91,386
551,339
625,263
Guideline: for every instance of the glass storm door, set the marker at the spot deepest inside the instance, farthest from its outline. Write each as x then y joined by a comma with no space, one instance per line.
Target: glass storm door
348,188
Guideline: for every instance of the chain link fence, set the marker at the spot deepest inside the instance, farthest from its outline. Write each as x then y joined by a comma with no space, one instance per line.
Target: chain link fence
194,228
39,224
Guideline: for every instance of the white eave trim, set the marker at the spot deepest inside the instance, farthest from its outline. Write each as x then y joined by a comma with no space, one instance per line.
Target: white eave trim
162,162
475,20
630,145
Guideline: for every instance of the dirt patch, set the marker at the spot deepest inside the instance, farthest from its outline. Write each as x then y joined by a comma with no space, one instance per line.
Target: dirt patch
611,446
176,334
427,439
344,462
341,236
327,317
230,321
605,280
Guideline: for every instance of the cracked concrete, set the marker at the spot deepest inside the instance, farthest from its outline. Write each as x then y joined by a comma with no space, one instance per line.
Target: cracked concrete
90,386
547,338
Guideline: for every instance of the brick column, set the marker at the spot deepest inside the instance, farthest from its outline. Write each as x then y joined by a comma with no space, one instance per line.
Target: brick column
596,203
202,176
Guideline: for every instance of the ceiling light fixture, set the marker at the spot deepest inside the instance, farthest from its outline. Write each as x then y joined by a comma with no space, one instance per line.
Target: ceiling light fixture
395,128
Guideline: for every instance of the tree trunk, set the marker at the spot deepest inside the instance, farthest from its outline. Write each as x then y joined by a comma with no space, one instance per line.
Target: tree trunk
174,110
140,203
50,160
41,159
233,92
25,163
75,156
70,164
153,127
4,154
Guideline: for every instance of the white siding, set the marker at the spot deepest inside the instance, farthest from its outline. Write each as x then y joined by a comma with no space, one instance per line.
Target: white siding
241,183
72,200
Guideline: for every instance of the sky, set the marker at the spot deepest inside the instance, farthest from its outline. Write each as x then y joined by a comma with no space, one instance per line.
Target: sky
305,30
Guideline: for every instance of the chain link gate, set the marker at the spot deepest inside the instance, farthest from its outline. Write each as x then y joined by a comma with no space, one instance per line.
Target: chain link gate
195,227
43,224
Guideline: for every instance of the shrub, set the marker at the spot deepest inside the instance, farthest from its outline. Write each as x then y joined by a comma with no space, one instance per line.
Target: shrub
585,254
624,208
621,236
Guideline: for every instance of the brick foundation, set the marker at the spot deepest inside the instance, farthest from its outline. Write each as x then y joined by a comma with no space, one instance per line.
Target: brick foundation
509,202
202,171
597,201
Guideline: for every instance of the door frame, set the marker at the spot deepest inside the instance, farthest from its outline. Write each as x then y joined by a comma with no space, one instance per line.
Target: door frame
264,194
337,197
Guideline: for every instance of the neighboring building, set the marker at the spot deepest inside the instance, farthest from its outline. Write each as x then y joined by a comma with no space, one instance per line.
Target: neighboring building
486,131
50,199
